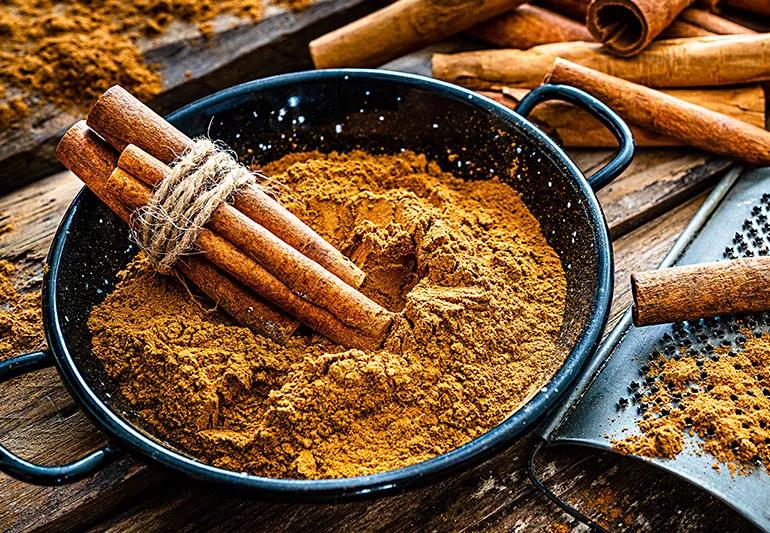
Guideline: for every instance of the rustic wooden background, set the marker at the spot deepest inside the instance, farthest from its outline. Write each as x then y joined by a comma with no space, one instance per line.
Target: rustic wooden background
646,209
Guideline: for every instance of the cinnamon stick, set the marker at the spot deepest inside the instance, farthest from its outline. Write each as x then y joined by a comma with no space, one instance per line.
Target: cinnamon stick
680,28
133,194
576,128
670,116
574,9
703,290
696,62
760,7
713,23
400,28
301,275
626,27
122,120
93,160
527,26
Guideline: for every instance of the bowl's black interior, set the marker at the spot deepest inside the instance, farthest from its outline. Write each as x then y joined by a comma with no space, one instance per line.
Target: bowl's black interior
474,139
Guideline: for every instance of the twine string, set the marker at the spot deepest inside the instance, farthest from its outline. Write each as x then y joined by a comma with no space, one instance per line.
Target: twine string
183,202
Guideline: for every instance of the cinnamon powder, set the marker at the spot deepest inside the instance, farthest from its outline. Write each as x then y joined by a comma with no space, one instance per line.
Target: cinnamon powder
69,52
480,301
21,328
723,398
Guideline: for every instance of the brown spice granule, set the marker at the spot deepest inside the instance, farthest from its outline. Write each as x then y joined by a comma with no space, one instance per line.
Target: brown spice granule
480,295
69,52
725,400
21,327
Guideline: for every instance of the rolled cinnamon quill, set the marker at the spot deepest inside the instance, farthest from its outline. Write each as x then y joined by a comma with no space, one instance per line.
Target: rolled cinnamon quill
713,23
696,62
575,9
326,295
527,26
700,291
364,326
91,159
667,115
400,28
121,119
626,27
760,7
576,128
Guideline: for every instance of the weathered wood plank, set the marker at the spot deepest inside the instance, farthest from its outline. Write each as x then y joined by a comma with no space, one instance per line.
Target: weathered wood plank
191,67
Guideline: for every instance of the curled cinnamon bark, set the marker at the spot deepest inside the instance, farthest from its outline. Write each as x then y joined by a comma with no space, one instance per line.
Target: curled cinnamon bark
696,62
400,28
626,27
122,120
667,115
576,128
528,26
702,290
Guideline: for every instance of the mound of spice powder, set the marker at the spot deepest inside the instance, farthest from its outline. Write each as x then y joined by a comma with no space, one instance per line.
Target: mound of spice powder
68,52
723,398
480,301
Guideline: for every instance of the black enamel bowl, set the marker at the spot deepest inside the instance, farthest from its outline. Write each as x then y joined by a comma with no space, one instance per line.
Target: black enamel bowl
379,111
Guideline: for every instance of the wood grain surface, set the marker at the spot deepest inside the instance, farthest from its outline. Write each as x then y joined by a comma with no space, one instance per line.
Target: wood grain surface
646,210
191,66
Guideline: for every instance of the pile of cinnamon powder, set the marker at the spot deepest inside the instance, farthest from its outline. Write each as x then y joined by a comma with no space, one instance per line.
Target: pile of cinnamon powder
722,397
480,297
69,52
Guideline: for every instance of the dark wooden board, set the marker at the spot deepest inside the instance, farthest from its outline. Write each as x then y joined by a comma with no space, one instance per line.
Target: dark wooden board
238,51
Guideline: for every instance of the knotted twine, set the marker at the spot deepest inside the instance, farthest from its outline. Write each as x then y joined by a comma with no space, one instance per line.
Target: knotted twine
200,180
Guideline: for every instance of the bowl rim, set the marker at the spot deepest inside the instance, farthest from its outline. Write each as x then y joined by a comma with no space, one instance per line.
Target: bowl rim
482,447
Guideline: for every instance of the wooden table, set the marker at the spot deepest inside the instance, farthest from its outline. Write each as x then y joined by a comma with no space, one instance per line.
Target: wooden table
646,209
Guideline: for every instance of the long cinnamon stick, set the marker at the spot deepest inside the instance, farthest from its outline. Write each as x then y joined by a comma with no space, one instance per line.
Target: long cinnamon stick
680,28
575,9
122,120
577,129
760,7
301,275
400,28
696,62
527,26
713,23
626,27
133,194
664,114
91,159
702,290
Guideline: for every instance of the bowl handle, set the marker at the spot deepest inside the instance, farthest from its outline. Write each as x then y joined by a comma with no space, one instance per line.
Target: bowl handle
604,114
47,475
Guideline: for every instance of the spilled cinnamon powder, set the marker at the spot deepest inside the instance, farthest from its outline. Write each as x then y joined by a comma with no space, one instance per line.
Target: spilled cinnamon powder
21,328
722,397
480,301
69,52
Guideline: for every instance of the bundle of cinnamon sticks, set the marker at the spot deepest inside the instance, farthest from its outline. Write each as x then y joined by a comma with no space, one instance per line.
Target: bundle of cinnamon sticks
260,263
705,63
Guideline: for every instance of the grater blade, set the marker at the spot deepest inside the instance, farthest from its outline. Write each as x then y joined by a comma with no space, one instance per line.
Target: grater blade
735,223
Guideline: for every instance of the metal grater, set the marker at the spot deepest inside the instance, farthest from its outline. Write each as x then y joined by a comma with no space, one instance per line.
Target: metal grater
733,222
